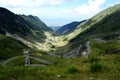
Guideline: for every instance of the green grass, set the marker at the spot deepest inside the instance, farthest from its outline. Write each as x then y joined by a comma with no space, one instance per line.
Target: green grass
67,69
10,47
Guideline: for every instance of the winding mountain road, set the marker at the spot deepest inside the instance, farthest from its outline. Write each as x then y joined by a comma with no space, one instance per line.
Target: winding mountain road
10,59
41,60
37,59
88,48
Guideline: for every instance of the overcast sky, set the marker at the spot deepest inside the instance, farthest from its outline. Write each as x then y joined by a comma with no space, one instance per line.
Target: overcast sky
58,12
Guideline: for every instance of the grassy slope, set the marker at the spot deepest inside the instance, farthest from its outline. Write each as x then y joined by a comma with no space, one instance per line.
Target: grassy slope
10,47
37,26
104,25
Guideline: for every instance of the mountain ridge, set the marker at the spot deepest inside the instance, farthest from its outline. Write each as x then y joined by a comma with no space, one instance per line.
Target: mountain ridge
30,30
21,24
103,22
68,28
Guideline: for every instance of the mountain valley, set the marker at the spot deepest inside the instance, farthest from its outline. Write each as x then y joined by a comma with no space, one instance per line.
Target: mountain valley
86,50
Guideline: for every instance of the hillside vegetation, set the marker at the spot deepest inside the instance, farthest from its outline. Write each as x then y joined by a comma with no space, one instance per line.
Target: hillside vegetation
10,47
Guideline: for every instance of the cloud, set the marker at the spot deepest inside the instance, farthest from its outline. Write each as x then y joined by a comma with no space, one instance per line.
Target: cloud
58,2
65,11
13,2
87,10
92,7
55,2
32,3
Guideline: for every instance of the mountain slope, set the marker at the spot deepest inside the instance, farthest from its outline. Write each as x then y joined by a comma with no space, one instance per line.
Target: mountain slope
37,26
10,47
104,25
68,28
29,27
55,28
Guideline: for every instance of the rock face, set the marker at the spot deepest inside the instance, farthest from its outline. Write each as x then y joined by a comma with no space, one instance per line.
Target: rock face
27,60
86,53
30,27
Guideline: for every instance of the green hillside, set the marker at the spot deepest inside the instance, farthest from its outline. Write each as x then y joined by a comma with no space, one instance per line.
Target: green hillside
28,27
104,25
10,47
37,26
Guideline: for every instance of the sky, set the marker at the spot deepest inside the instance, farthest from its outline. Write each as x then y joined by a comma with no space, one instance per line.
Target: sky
58,12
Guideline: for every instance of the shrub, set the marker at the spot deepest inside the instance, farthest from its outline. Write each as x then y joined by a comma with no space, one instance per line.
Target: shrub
94,60
96,67
72,70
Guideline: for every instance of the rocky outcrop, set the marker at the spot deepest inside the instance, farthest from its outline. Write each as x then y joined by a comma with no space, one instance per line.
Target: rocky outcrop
88,51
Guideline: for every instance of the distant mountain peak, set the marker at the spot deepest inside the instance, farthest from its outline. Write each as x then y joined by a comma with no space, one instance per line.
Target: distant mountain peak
32,17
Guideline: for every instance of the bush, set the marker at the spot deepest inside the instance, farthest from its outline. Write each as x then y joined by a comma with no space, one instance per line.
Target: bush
72,70
94,60
96,67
